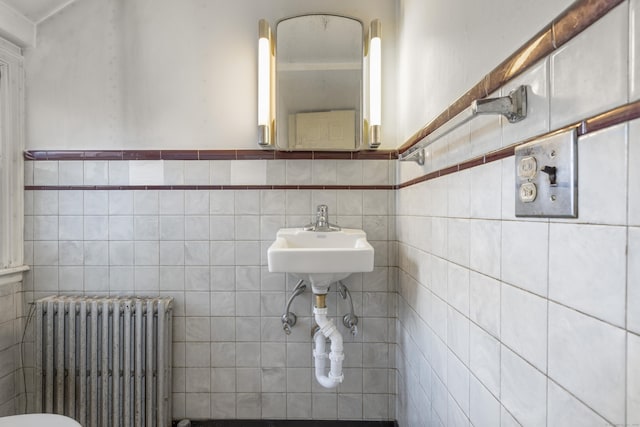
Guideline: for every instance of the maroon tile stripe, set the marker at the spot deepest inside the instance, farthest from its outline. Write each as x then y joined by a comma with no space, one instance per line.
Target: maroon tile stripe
598,122
207,187
601,121
579,16
476,161
610,118
207,155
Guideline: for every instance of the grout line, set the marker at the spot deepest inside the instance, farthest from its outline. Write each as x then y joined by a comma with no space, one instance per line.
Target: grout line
627,280
548,316
522,289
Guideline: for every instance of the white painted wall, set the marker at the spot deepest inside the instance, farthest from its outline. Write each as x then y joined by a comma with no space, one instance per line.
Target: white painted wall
15,27
37,10
446,47
181,74
113,74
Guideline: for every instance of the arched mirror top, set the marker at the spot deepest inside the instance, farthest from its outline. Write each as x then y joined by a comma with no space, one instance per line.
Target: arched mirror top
309,38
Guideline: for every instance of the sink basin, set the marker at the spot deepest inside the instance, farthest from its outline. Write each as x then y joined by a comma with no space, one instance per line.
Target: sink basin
320,258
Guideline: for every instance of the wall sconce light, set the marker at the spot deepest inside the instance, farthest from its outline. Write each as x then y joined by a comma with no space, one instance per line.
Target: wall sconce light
375,84
265,84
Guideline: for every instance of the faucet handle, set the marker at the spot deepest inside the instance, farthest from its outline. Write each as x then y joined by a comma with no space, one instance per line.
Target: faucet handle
288,320
350,321
322,212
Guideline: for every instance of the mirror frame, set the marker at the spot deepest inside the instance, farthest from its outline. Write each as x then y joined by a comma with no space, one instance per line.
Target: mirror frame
367,136
359,119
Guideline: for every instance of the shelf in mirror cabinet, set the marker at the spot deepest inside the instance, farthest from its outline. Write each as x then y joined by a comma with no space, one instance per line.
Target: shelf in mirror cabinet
320,66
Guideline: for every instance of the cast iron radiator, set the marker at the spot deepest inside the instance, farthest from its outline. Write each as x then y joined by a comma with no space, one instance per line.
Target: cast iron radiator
105,362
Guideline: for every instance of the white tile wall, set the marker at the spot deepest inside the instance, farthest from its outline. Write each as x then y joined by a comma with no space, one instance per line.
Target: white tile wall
46,173
459,200
525,261
485,251
579,67
72,173
207,249
634,173
552,322
579,257
564,409
587,357
486,191
523,389
97,173
485,408
537,121
11,310
634,50
602,177
633,379
523,325
485,132
485,302
633,280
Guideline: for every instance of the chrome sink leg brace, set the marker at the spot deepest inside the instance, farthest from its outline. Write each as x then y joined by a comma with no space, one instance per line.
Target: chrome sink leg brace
349,320
289,318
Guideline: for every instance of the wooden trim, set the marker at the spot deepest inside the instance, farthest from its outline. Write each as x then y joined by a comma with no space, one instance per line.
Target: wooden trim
12,130
12,275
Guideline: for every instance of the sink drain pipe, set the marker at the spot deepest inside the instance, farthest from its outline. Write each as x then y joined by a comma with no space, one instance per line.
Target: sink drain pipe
327,329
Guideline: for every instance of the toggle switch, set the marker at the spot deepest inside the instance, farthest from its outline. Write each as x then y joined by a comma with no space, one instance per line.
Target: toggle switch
551,171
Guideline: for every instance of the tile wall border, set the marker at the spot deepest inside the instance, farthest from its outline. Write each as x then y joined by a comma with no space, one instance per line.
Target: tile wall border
579,16
575,19
207,187
595,123
35,155
598,122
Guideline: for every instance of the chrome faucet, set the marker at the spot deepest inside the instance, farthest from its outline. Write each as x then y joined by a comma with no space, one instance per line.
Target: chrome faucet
322,221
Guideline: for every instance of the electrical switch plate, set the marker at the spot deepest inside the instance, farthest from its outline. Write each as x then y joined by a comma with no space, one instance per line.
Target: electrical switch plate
547,176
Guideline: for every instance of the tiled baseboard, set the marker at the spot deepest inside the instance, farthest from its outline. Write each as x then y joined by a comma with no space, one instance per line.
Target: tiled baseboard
291,423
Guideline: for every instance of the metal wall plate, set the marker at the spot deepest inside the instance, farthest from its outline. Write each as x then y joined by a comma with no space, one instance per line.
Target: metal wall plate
546,176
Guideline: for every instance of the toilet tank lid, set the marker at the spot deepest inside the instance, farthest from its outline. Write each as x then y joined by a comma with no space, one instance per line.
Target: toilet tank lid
37,420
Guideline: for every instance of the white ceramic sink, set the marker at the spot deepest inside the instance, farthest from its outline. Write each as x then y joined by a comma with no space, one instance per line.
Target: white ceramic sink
320,258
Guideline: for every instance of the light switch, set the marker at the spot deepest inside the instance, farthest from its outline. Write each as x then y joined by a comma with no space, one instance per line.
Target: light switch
546,176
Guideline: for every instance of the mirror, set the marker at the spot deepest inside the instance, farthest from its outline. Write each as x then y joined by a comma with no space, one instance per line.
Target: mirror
319,69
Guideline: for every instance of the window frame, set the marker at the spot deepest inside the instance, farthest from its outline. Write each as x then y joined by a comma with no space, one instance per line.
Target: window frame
12,163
